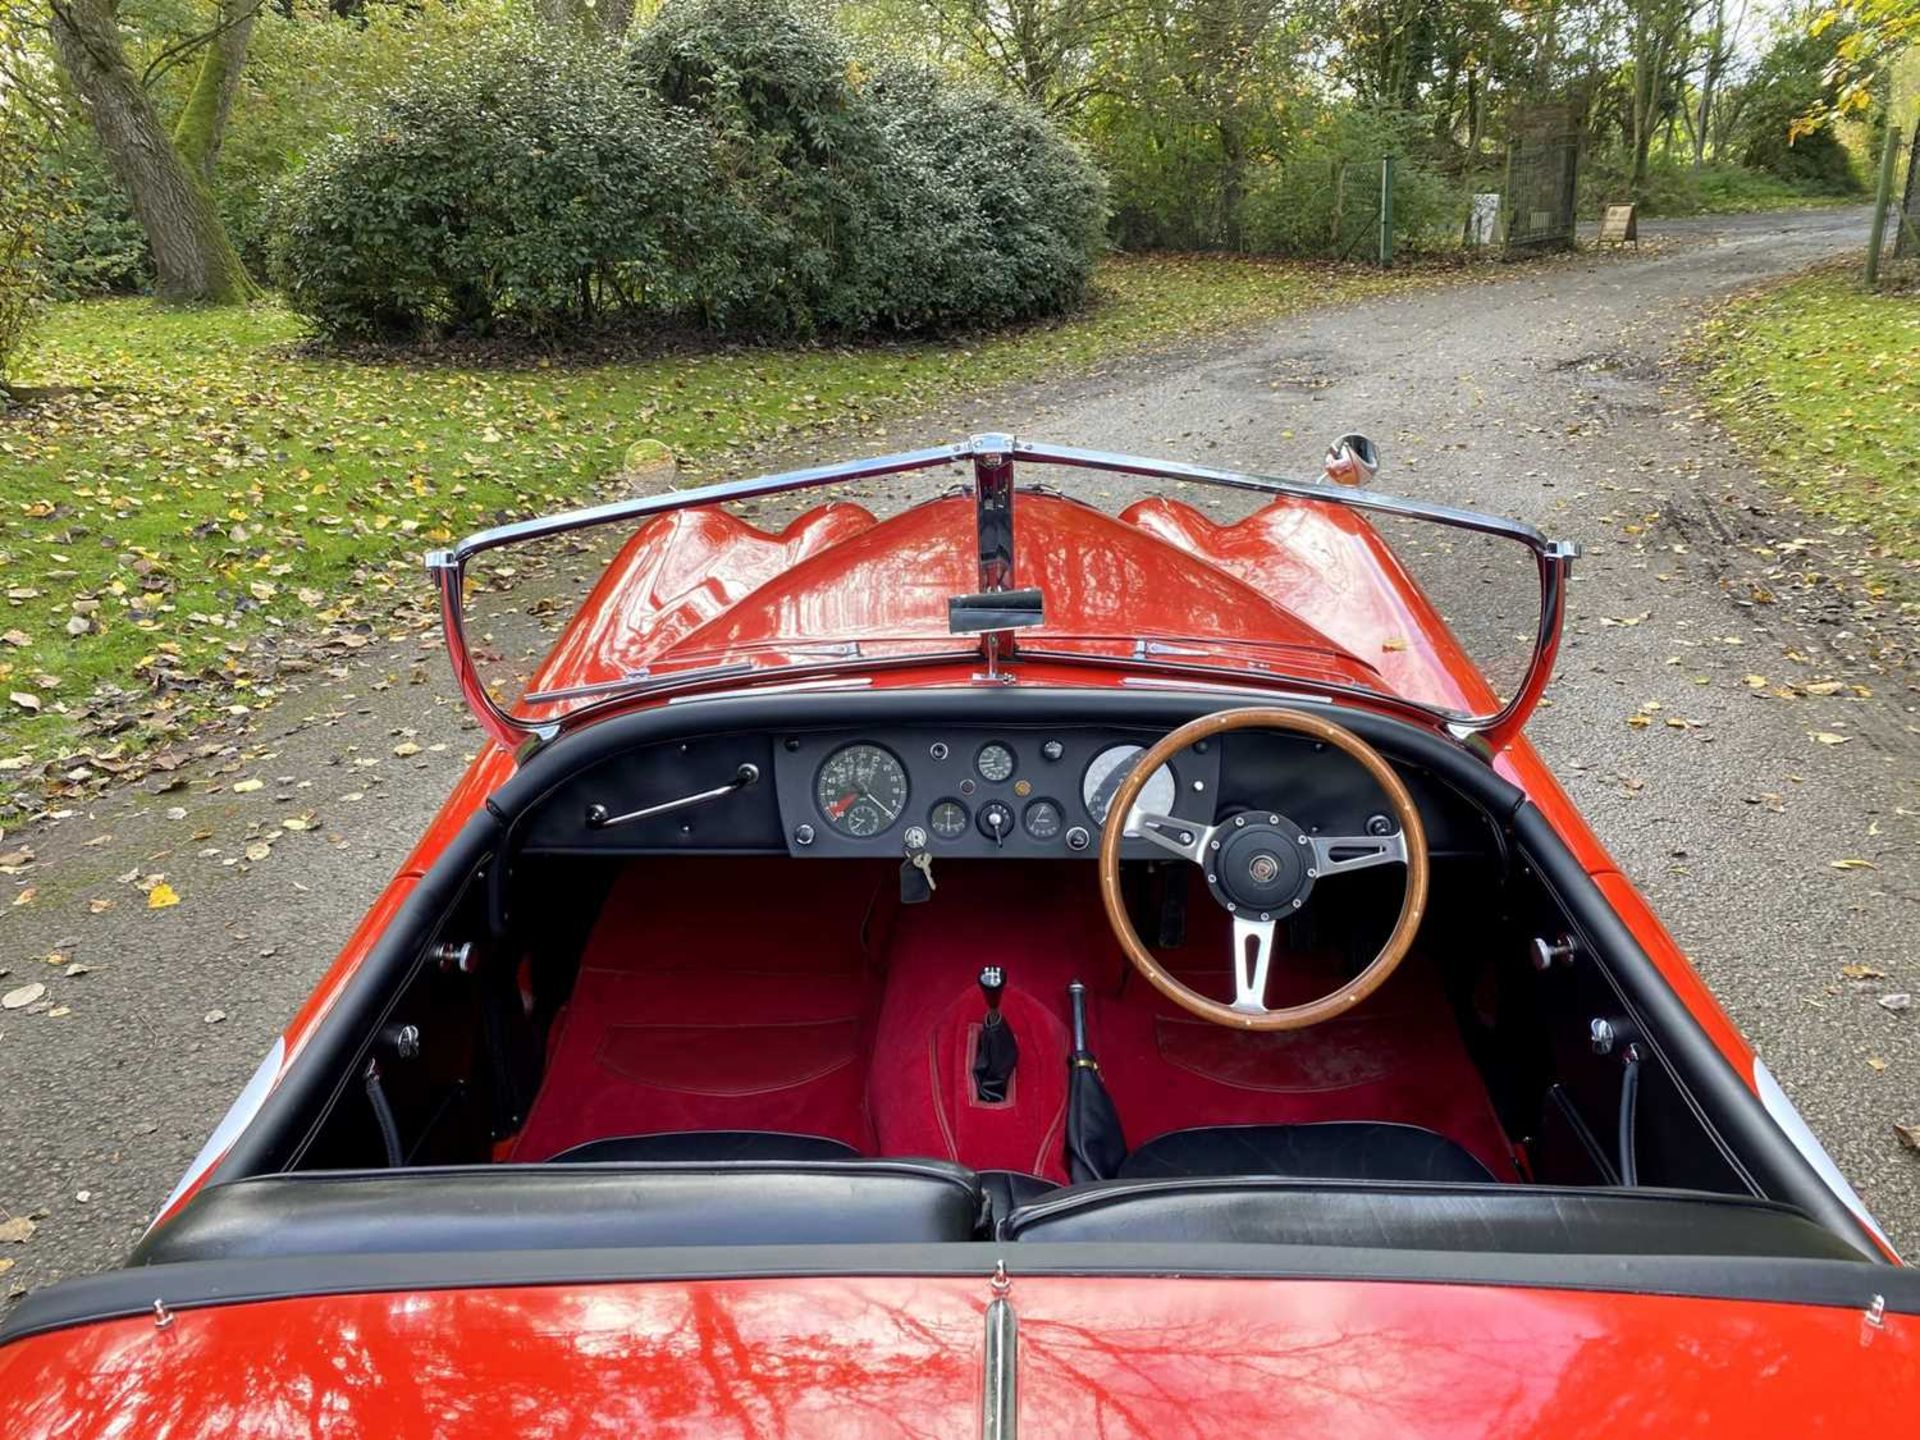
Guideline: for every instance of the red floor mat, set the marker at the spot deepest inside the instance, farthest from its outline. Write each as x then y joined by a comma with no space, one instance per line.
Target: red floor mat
1398,1057
718,996
746,994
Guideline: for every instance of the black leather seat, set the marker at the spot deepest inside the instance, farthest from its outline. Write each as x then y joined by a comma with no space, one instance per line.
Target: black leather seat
698,1146
575,1206
1503,1219
1335,1150
1008,1190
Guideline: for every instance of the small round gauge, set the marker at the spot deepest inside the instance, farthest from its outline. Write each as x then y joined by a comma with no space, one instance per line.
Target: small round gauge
948,819
995,762
861,789
1043,820
1113,765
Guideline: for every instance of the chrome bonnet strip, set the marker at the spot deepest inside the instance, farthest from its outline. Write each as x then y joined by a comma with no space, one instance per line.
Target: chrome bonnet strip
1000,1389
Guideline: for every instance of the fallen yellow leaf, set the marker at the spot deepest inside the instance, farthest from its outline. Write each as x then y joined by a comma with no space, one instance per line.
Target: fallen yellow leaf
161,896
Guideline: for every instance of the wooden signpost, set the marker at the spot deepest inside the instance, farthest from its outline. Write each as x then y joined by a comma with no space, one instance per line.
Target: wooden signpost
1620,224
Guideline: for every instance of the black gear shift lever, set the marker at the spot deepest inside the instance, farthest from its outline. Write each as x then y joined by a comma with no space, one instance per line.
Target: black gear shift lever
997,1053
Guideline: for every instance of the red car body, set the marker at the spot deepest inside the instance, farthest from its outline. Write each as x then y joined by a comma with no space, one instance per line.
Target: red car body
879,1354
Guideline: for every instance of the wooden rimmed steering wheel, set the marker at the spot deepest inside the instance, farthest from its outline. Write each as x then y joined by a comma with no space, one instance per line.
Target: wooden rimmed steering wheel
1261,868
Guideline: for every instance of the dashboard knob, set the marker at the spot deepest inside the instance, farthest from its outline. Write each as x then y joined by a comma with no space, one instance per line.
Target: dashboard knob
1053,750
1078,838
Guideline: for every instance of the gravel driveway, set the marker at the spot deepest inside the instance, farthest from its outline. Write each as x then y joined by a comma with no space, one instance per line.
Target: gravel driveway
1540,392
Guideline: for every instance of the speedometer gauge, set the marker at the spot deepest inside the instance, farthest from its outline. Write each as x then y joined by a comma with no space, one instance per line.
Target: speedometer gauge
995,762
861,789
1109,768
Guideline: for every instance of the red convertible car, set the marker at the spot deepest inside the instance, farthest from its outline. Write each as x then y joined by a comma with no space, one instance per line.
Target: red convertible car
1020,966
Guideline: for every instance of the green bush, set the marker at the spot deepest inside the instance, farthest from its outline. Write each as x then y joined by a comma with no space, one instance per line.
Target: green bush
735,169
527,185
1009,216
804,163
1323,199
900,201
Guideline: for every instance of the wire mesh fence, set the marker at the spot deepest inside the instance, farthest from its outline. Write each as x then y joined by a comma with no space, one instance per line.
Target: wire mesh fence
1540,185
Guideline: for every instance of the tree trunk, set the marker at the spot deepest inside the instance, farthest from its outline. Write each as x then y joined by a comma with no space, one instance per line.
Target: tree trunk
1233,182
192,257
1710,80
203,123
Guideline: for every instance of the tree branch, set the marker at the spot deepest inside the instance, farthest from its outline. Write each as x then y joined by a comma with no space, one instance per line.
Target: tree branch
180,49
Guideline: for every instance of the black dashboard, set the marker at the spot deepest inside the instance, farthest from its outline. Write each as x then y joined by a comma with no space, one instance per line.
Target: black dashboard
1038,794
978,791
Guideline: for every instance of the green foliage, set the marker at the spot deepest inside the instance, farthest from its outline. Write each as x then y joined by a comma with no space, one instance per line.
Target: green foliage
1324,198
1674,187
805,164
312,75
92,244
23,217
527,183
1791,80
1192,100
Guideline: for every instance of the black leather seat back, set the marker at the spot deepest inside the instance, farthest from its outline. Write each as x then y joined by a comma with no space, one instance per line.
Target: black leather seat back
574,1206
706,1147
1509,1219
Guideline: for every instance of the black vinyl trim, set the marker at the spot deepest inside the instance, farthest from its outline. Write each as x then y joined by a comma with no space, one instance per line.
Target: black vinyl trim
575,751
1758,1144
325,1064
120,1294
276,1136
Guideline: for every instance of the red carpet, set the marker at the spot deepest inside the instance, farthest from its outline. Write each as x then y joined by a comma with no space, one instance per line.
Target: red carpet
720,995
799,996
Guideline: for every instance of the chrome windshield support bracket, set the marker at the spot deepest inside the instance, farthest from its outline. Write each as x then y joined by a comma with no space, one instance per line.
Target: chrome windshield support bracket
597,817
993,527
1000,1388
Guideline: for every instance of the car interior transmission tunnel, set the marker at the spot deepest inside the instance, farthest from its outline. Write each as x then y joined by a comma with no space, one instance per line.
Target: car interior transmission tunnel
1095,1145
998,1052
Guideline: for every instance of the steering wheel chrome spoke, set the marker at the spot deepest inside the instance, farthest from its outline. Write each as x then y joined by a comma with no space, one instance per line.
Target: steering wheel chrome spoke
1252,958
1186,838
1337,854
1261,867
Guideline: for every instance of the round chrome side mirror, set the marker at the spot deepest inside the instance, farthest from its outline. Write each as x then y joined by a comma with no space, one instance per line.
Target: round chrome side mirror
1351,460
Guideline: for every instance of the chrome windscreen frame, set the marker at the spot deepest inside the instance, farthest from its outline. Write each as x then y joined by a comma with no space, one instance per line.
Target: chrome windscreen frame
993,457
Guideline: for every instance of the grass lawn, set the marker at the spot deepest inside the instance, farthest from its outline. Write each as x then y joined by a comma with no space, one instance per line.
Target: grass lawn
1822,380
186,487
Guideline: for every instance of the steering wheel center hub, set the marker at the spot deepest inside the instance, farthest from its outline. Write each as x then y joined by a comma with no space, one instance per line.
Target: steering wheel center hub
1261,867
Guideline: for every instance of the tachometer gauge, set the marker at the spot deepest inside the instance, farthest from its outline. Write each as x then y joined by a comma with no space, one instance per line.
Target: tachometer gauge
995,762
948,819
861,789
1103,778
